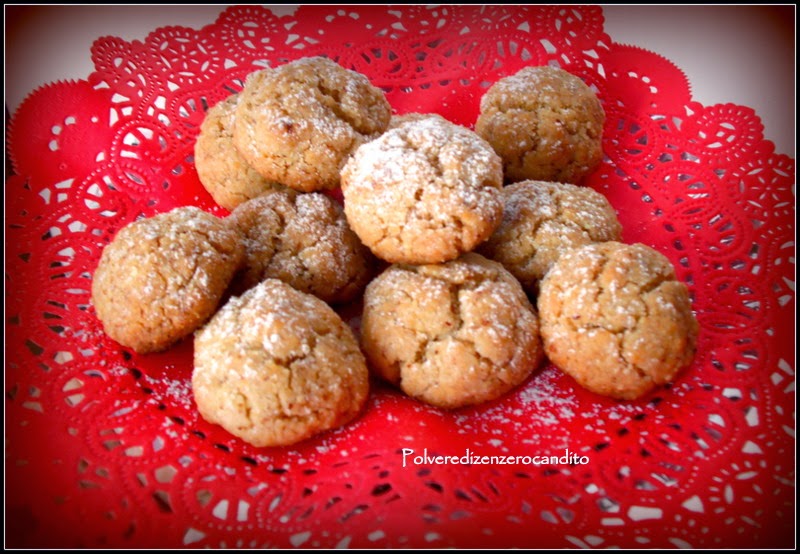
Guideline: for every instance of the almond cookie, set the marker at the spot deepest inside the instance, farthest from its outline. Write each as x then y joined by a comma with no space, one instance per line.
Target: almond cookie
453,334
163,277
299,123
424,192
276,366
541,220
615,318
302,239
545,123
222,170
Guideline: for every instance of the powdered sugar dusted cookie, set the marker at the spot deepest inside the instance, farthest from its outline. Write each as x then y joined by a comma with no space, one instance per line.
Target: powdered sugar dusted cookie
302,239
162,277
615,318
276,366
222,170
299,123
545,123
542,220
453,334
424,192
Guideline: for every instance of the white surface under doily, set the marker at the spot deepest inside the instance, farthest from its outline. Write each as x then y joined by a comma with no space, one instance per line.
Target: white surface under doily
731,54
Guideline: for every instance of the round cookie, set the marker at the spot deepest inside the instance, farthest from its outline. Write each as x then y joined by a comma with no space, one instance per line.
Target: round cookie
223,172
615,318
545,123
453,334
162,277
302,239
424,192
541,220
299,123
276,366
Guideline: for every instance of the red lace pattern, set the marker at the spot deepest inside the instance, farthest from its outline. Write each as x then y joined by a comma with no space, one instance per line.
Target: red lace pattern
105,448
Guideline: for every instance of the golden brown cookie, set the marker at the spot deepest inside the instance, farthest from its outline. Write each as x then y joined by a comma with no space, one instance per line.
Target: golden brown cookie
545,123
541,220
615,318
302,239
276,366
223,172
453,334
162,277
299,123
424,192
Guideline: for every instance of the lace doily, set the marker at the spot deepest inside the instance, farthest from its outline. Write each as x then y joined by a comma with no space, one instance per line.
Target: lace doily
106,449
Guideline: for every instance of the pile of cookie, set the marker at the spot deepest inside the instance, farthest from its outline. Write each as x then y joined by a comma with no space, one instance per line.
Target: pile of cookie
476,254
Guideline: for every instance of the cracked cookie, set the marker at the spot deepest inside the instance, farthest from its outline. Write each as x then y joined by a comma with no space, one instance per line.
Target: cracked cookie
222,171
545,123
162,277
299,123
276,366
541,220
424,192
453,334
615,318
302,239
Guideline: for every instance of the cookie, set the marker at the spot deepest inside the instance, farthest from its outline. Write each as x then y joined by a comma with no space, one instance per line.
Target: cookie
276,366
424,192
222,171
616,319
451,335
162,277
299,123
545,123
304,240
398,120
541,220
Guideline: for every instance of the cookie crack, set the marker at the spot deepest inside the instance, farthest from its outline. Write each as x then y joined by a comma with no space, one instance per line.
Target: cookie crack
276,241
620,338
353,279
429,342
430,154
244,402
481,357
309,345
455,307
558,201
461,230
653,284
533,135
207,236
171,286
332,101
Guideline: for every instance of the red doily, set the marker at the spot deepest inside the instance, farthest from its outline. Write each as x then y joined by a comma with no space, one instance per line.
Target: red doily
106,449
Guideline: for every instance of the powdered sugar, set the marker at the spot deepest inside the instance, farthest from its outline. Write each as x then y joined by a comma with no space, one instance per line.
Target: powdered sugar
176,392
423,192
542,401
